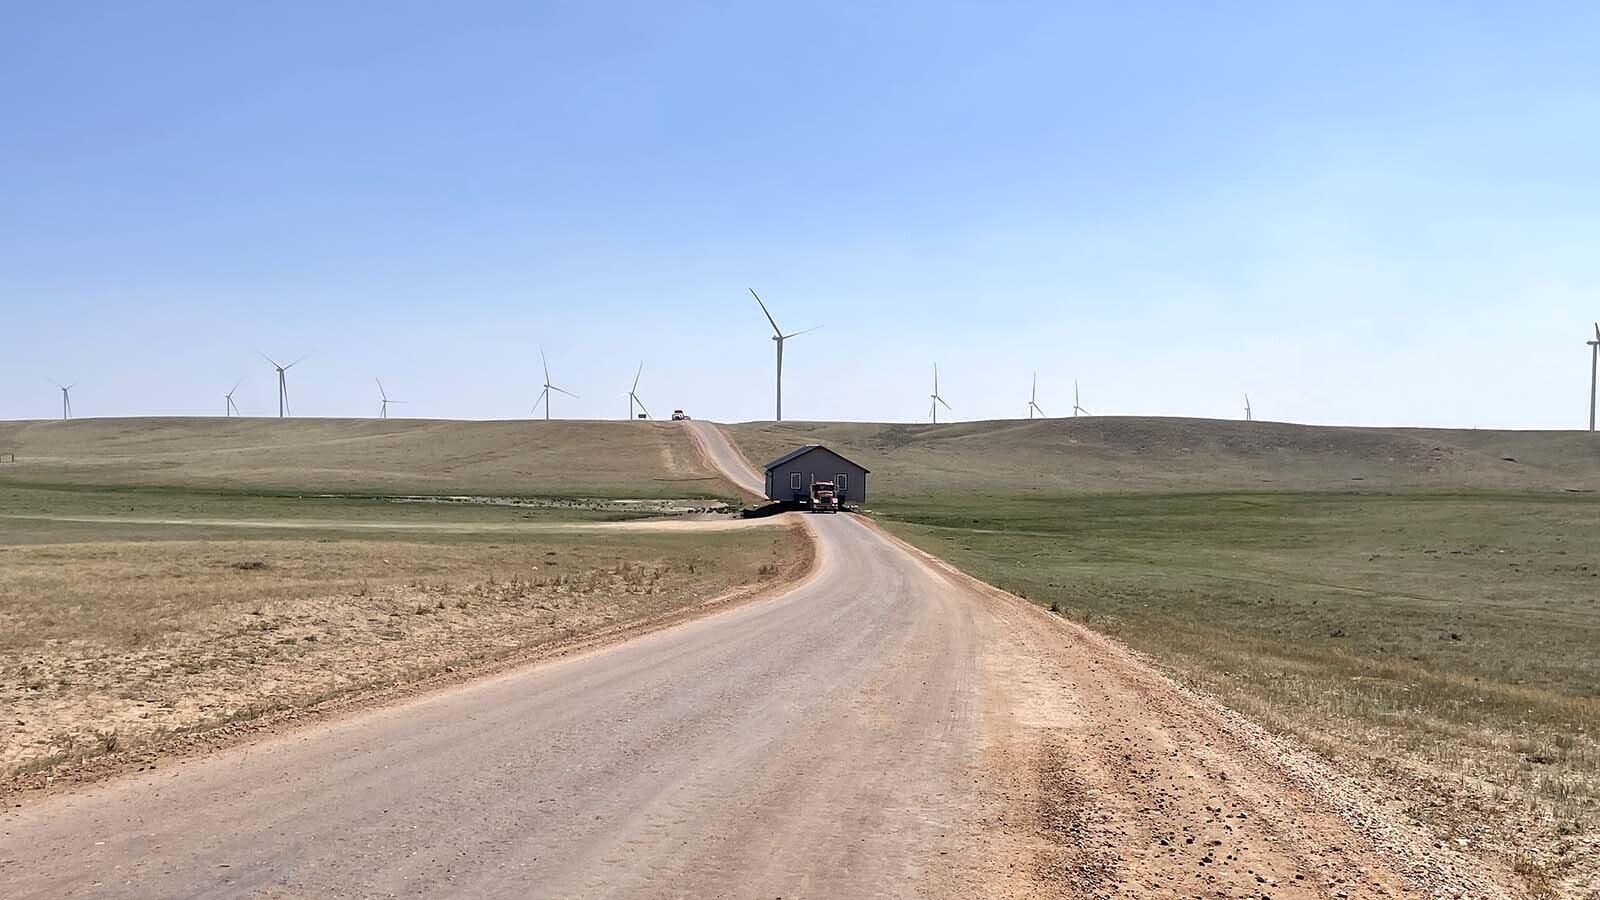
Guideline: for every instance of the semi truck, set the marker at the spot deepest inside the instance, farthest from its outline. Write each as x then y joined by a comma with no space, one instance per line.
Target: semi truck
823,497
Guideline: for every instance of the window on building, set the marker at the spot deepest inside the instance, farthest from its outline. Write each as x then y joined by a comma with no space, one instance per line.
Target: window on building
794,481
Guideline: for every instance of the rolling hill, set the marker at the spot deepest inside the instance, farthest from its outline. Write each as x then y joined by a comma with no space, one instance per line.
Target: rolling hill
563,458
1099,454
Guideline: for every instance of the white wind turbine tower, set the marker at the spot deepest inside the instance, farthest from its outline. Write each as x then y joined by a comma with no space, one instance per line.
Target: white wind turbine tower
1076,409
283,382
633,394
1248,414
383,411
230,408
544,395
934,406
780,337
1594,371
66,399
1033,397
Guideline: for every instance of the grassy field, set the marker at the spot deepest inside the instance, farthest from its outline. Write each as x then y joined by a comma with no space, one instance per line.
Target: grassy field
516,458
163,576
1421,605
1118,454
118,633
1446,645
32,513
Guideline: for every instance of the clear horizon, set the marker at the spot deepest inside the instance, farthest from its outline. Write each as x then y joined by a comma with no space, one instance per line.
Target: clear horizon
1355,214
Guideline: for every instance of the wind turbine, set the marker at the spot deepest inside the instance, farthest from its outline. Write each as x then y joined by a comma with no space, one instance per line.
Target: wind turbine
283,383
544,395
66,399
1248,415
1033,396
231,408
935,395
383,411
633,394
780,337
1076,409
1594,371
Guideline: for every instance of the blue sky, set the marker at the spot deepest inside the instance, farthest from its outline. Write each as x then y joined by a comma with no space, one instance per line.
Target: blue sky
1357,213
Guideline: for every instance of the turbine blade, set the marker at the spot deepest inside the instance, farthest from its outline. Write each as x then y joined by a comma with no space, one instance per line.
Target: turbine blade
562,390
381,392
542,394
641,406
946,405
636,376
296,362
269,359
775,329
546,363
798,333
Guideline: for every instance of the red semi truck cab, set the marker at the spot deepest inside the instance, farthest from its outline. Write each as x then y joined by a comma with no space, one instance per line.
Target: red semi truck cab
823,497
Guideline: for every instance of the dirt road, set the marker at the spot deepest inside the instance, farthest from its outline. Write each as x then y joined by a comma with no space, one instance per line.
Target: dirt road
885,729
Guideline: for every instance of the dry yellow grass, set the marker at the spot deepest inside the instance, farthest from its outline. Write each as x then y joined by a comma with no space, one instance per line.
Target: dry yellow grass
522,458
107,645
165,575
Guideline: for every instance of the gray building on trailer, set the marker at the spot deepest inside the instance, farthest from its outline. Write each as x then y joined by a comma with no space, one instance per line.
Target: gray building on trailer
789,477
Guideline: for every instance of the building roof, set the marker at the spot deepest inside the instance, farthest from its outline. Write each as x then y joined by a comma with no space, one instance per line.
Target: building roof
803,450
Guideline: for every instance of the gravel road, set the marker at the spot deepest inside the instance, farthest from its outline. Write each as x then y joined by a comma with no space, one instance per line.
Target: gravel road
887,728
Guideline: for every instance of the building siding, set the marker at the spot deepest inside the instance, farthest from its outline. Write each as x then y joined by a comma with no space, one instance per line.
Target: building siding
817,464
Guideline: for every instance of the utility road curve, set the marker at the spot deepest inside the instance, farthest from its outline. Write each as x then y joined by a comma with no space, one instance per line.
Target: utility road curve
885,729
